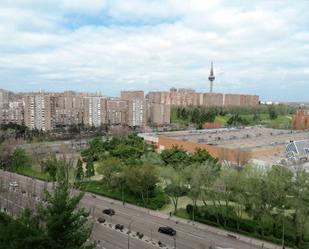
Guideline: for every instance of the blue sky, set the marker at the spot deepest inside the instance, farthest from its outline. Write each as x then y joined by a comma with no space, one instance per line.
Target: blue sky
258,47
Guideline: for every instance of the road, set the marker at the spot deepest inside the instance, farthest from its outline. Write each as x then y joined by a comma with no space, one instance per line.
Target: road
189,236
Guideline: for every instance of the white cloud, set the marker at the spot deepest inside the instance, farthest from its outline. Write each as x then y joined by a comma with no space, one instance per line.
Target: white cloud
154,45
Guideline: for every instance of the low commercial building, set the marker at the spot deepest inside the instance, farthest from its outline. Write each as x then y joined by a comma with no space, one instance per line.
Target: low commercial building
232,144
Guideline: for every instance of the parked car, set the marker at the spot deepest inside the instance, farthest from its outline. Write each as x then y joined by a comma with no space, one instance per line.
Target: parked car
109,211
167,230
119,227
101,220
13,184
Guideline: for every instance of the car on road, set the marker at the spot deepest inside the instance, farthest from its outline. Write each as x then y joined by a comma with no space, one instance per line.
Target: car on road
119,227
109,211
101,220
167,230
13,184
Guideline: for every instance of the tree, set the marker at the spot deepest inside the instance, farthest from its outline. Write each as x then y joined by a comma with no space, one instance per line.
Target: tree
300,216
141,180
66,225
175,156
50,166
79,170
109,168
19,159
201,156
174,191
175,184
90,168
23,232
272,112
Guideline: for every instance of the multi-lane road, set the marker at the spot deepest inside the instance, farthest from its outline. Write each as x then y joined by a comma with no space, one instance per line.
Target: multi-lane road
189,236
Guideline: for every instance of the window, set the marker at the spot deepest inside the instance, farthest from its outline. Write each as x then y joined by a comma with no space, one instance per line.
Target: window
306,150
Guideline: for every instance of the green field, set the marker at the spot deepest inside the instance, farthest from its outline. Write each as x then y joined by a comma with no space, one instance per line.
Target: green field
98,187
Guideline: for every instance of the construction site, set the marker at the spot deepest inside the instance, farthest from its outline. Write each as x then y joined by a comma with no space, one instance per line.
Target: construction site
236,145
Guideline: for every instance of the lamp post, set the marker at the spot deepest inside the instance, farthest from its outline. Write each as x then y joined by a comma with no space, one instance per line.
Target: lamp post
174,237
129,228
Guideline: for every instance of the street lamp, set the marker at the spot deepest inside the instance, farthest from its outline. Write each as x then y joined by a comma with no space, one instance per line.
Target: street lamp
174,237
129,228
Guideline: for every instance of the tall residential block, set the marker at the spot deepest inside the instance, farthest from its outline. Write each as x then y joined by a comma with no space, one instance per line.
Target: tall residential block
136,107
94,111
38,111
116,111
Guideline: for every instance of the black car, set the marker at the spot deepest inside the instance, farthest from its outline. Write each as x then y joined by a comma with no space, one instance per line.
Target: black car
109,211
101,220
167,230
119,227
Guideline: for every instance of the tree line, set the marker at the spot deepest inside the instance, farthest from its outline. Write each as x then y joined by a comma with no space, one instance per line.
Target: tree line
267,204
200,114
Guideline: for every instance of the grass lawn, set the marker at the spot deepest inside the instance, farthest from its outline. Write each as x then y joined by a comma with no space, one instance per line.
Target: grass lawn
35,172
281,122
156,202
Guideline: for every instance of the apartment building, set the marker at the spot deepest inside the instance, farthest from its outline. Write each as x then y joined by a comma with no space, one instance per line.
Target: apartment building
94,113
116,111
48,110
39,112
68,108
136,107
158,114
186,97
11,108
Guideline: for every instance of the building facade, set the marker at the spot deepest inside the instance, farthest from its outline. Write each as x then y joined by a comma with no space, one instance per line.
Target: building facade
136,107
38,112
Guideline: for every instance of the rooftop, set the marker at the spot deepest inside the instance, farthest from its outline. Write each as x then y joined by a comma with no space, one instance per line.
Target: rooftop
243,138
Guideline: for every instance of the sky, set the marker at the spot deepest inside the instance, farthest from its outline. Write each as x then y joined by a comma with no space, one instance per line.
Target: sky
258,47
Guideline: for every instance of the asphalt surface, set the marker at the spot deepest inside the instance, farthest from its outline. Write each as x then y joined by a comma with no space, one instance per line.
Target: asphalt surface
189,236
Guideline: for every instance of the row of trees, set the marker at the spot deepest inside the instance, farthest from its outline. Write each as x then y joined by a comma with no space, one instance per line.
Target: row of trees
201,114
57,223
251,200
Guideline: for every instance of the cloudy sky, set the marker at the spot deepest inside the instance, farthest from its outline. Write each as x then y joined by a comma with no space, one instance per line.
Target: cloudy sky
258,47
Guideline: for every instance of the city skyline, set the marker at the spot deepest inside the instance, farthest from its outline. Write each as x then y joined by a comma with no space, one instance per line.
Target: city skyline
108,46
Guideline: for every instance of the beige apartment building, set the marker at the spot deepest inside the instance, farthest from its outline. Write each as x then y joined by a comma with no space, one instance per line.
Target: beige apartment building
68,108
11,108
94,113
186,97
136,107
116,111
39,113
45,111
158,114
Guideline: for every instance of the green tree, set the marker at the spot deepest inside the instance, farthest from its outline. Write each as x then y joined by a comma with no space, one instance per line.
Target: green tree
20,159
109,168
141,180
23,232
175,184
79,170
175,156
300,204
51,165
272,112
65,224
201,156
89,168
